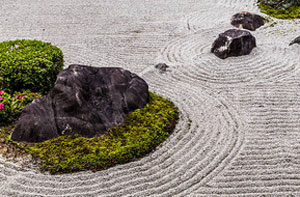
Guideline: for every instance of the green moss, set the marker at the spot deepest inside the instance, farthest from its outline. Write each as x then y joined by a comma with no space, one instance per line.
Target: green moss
288,13
143,130
29,65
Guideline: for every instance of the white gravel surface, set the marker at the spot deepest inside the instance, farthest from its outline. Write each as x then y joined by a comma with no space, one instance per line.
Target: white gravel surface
239,130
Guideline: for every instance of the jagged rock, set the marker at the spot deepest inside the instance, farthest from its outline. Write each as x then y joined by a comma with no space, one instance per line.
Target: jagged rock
247,20
295,41
85,100
162,67
233,42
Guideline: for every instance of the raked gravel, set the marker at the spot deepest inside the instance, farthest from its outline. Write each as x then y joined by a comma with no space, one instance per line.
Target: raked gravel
239,128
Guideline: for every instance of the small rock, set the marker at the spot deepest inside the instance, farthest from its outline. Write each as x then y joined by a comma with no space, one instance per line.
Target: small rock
247,20
233,42
161,67
295,41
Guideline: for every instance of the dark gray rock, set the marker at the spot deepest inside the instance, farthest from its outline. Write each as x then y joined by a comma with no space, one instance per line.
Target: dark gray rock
233,42
295,41
162,67
85,100
247,20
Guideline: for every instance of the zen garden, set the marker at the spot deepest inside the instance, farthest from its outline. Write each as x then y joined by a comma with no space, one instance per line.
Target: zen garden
150,98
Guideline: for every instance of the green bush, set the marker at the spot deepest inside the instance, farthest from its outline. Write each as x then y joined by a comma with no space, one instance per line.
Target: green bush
281,13
12,105
143,130
29,65
280,4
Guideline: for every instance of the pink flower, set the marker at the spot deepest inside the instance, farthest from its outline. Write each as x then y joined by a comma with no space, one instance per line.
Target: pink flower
17,97
1,92
1,105
1,98
21,96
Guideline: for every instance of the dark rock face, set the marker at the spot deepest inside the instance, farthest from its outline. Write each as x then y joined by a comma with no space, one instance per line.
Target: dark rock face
295,41
233,42
85,100
247,20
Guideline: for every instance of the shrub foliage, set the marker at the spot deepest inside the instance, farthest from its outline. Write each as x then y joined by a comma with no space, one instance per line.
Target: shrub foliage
280,4
29,65
280,9
11,105
143,130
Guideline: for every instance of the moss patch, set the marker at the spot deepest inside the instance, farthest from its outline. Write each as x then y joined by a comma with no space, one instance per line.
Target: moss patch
289,13
9,148
143,130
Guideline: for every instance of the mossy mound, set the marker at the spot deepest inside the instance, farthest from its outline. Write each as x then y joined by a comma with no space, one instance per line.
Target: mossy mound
29,65
288,13
143,130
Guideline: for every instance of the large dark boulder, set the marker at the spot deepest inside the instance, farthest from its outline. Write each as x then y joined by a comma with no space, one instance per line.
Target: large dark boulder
247,20
233,42
85,100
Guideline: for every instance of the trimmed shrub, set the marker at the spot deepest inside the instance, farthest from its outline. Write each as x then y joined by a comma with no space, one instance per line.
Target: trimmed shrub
29,65
290,11
143,130
12,105
280,4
